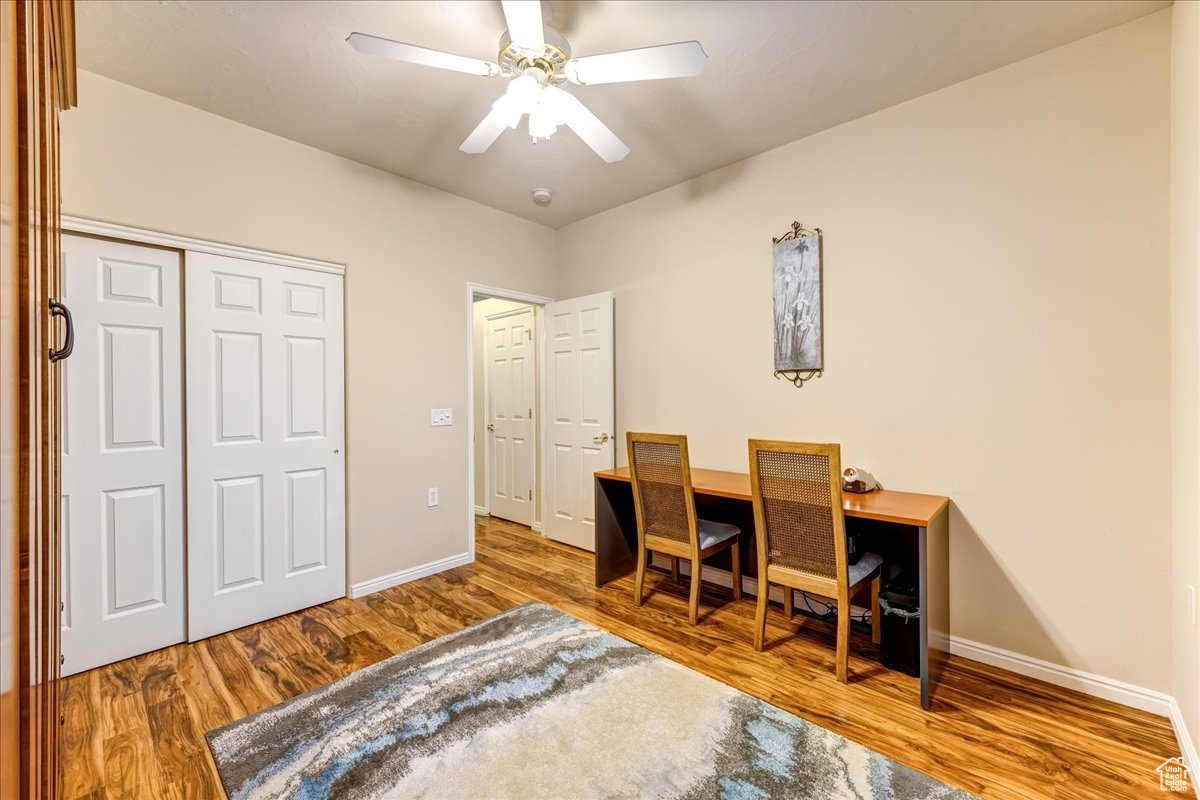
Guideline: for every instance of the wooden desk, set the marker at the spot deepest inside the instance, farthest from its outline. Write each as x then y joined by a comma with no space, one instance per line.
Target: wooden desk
725,496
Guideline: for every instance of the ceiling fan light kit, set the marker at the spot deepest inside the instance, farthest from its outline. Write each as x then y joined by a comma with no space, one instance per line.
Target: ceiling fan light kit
537,60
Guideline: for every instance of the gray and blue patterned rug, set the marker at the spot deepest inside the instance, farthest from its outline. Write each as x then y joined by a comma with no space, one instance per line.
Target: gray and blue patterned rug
534,703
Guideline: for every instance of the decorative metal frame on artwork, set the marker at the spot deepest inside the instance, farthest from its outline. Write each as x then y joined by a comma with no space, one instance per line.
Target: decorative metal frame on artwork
798,377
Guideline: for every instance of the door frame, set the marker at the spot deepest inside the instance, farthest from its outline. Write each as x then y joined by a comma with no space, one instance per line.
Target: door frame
478,289
111,230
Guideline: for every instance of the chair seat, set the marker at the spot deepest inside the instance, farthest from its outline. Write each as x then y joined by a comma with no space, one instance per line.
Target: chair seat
712,533
865,566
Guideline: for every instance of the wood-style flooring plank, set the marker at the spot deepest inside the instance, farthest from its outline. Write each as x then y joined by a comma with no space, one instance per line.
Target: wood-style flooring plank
81,746
136,729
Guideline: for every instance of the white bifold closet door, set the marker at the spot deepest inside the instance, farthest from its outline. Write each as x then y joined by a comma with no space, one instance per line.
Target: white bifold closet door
122,462
265,441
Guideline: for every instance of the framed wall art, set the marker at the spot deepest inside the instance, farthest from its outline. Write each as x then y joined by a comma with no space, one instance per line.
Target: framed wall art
796,284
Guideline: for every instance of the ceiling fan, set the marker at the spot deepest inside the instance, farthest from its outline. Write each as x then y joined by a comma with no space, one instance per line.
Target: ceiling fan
536,60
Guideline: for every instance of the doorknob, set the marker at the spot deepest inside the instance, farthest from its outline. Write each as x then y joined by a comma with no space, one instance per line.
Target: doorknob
491,427
602,438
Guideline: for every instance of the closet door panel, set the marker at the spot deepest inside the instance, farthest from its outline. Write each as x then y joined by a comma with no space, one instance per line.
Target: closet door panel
122,443
266,512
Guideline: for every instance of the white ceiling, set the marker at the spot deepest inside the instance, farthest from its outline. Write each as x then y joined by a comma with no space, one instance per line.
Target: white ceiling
777,71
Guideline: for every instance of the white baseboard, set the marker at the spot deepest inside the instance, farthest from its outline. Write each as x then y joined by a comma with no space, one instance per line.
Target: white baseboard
722,577
1089,683
714,575
404,576
481,511
537,526
1187,746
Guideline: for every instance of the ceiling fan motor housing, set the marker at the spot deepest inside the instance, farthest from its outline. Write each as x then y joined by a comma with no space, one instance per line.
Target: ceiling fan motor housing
552,60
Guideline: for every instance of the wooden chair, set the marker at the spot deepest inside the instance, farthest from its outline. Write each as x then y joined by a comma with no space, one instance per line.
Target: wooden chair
797,491
666,514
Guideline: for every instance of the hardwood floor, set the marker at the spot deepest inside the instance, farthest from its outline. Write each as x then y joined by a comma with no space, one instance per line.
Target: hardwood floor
136,729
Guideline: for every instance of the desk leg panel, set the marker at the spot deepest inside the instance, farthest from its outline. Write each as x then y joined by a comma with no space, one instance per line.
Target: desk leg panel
934,545
616,531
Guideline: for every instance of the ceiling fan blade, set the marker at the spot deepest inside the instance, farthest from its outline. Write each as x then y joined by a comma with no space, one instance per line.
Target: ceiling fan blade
680,60
524,20
488,131
378,46
594,133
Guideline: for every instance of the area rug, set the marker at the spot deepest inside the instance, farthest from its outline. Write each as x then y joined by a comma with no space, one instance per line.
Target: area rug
534,703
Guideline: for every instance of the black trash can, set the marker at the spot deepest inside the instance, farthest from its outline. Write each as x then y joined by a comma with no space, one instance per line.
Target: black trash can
900,607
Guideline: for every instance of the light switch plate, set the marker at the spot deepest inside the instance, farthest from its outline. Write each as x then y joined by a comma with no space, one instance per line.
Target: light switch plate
441,416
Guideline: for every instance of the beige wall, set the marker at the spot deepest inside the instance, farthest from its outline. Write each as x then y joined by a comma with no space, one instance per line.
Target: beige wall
1185,352
996,295
482,308
997,286
139,159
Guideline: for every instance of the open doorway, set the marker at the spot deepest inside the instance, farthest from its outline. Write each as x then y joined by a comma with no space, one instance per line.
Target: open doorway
540,387
506,378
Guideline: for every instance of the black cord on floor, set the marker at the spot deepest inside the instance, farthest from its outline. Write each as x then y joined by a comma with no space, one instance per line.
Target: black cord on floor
830,611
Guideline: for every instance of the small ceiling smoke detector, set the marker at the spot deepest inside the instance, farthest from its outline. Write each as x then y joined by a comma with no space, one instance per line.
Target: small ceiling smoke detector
542,197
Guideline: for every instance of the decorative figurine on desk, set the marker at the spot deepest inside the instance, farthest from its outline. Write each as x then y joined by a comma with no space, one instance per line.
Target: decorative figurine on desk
796,278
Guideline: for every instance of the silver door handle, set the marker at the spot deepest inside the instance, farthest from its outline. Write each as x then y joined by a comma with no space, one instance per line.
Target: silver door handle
491,427
602,438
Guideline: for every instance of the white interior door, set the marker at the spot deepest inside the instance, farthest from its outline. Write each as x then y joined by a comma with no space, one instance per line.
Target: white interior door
122,462
266,440
579,413
510,390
